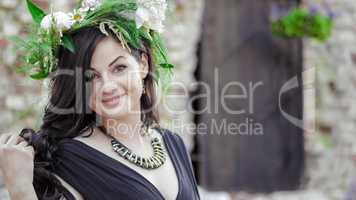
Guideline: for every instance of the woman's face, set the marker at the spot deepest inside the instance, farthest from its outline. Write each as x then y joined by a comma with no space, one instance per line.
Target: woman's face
117,78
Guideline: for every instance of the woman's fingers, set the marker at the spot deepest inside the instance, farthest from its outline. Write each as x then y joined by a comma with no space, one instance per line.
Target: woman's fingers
14,139
22,144
4,137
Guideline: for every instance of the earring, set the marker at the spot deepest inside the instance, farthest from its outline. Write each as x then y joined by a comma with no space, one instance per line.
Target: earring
98,121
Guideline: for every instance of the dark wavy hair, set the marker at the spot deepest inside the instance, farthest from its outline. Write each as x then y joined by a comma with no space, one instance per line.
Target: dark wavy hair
64,95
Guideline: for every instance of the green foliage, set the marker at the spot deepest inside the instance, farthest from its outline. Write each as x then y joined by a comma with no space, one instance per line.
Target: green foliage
36,12
38,52
326,142
131,34
23,114
300,23
41,47
110,13
109,9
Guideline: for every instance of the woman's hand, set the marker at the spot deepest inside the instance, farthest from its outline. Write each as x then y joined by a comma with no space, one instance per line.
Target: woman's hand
17,164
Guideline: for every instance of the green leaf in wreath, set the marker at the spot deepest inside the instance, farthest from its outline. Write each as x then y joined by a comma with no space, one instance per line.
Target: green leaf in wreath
167,66
68,43
40,75
36,12
144,32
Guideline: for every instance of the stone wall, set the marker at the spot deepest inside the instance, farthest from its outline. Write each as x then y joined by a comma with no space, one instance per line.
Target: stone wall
182,36
332,148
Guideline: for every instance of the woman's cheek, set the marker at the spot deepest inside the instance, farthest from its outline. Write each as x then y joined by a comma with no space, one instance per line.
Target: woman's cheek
136,87
131,91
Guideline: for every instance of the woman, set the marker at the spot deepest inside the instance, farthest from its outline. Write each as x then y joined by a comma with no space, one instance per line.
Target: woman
100,137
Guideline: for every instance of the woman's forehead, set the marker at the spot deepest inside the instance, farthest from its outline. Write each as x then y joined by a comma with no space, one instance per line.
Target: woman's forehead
106,51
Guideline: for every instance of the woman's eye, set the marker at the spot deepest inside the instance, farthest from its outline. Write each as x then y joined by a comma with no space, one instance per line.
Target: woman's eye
118,68
89,76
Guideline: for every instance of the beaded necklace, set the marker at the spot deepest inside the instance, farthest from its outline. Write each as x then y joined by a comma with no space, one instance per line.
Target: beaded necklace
156,160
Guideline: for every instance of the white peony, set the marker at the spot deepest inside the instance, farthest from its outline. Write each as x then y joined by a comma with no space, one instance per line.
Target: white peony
90,5
151,13
62,21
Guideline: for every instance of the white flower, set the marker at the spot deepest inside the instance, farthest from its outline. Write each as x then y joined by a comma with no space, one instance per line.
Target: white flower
62,21
90,5
77,15
151,13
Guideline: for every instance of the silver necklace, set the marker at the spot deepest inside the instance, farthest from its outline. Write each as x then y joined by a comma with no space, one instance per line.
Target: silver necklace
156,160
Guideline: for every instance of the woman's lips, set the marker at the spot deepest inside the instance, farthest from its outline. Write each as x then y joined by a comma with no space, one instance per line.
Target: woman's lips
112,101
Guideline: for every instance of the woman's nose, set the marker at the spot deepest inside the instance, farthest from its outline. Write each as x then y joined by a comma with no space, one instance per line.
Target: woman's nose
109,88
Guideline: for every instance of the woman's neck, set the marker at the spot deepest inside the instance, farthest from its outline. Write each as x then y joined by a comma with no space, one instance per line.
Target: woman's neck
128,128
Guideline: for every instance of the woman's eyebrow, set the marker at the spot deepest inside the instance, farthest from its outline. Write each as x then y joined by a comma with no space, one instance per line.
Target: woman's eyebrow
117,58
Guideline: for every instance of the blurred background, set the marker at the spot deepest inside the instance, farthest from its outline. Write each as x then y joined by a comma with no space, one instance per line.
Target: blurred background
286,70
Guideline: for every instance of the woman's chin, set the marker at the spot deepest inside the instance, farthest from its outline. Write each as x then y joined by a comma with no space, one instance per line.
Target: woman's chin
113,115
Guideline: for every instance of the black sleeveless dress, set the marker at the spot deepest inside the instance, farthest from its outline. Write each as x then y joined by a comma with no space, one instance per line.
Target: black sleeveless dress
97,176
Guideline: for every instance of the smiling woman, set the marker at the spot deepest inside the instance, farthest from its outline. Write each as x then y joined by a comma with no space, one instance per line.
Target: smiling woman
111,146
118,79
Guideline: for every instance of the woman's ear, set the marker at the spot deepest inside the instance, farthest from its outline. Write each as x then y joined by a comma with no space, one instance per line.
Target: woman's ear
144,65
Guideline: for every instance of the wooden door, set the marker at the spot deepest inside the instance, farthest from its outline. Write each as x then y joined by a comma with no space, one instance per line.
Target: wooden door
237,46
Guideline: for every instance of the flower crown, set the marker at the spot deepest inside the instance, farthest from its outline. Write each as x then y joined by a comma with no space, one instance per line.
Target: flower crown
132,21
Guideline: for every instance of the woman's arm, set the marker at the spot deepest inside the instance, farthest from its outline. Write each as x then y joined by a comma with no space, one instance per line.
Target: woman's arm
16,164
27,191
21,192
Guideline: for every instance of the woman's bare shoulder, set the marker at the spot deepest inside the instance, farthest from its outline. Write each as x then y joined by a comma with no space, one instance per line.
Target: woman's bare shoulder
75,193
